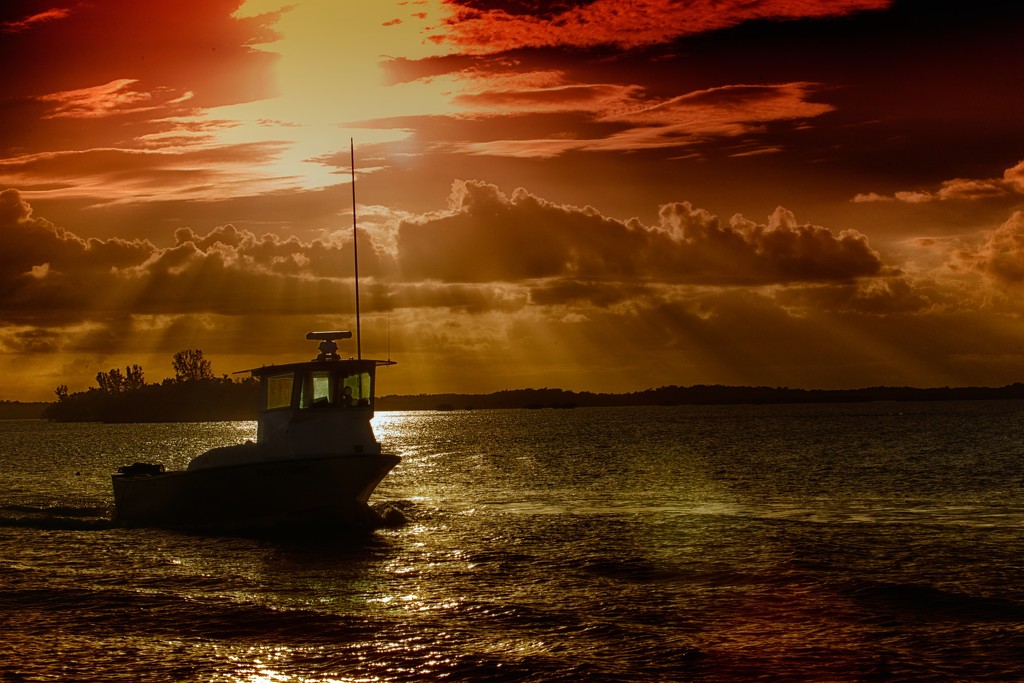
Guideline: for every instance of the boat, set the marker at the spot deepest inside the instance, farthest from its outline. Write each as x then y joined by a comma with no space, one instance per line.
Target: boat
313,466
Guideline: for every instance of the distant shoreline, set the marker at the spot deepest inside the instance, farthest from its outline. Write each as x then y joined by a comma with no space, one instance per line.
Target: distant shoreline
17,410
563,399
692,395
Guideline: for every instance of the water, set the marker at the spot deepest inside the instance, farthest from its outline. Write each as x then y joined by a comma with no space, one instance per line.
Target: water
869,542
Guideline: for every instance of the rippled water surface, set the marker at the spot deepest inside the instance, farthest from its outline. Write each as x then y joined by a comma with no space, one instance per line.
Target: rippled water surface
868,542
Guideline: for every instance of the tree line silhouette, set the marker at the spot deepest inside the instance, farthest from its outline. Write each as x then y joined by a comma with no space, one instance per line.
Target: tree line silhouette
194,394
701,394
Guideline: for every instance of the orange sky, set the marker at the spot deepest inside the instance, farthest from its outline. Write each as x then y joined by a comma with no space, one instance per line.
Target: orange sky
603,195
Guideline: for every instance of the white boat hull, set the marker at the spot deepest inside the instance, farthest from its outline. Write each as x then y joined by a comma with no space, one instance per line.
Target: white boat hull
313,492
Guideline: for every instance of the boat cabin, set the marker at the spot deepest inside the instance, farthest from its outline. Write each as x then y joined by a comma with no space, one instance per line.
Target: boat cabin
319,406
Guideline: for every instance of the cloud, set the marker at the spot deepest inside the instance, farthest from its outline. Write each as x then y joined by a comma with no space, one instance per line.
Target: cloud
34,20
967,189
524,94
30,243
727,111
487,251
481,26
50,275
486,236
731,104
879,297
110,176
110,99
1000,256
632,120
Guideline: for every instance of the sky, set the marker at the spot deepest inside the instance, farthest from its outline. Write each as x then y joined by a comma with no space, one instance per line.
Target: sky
594,195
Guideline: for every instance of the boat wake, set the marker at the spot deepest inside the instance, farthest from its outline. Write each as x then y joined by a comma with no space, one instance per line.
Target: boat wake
98,517
56,517
392,514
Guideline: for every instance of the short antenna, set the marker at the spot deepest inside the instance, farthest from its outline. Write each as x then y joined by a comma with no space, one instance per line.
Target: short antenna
355,246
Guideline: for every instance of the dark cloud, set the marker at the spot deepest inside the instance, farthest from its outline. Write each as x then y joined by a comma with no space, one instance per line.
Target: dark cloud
488,236
1000,256
36,243
489,251
543,9
579,292
457,298
50,274
878,297
484,26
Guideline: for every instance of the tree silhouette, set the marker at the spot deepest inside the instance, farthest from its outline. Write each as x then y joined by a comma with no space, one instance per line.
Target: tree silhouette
134,378
111,382
190,366
115,382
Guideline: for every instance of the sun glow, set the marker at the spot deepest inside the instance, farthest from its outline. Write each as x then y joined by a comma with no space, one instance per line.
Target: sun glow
330,85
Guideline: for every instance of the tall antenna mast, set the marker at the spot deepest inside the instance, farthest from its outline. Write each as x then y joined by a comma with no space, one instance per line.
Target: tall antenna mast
355,246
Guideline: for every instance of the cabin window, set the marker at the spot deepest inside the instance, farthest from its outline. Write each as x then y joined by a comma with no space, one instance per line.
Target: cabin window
279,391
316,390
355,390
